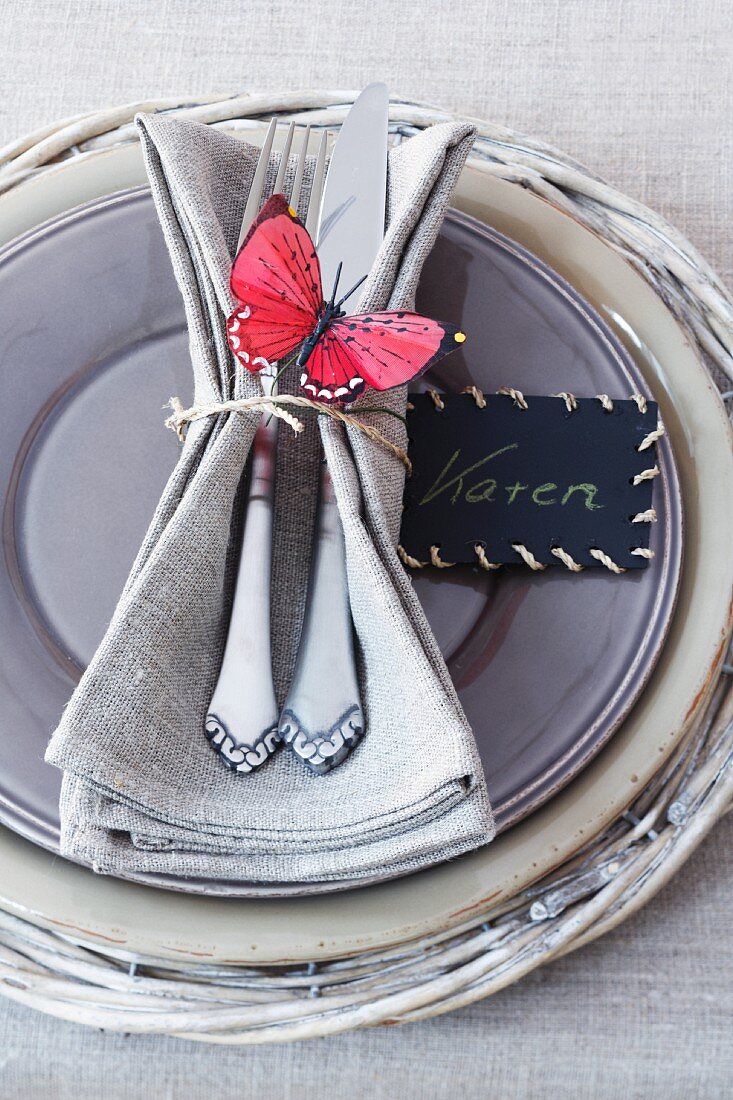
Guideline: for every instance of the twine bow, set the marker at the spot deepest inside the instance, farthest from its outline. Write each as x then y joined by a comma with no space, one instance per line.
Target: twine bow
275,405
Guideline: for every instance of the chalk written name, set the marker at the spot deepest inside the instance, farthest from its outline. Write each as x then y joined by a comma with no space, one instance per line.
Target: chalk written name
472,486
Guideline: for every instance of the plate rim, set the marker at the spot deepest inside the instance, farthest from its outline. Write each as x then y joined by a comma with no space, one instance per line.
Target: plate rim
544,784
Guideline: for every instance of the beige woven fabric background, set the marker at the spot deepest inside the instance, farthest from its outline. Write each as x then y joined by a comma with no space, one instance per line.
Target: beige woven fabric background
642,92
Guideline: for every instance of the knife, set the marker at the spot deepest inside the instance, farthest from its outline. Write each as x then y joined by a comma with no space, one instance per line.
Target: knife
322,718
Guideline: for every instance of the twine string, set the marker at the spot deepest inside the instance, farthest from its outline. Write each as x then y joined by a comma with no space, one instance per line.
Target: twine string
275,405
525,554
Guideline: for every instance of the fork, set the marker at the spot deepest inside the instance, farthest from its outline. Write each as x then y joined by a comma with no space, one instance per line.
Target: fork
242,722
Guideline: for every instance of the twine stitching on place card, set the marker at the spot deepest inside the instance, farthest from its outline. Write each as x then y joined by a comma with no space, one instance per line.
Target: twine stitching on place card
516,395
483,560
572,565
477,395
652,437
571,403
649,516
605,560
570,400
528,557
437,561
646,475
407,559
181,417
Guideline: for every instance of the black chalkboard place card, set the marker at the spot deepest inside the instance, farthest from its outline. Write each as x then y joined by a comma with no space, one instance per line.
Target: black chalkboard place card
552,480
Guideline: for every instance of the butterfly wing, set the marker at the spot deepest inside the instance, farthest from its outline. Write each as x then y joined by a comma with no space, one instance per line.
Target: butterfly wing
276,279
382,350
331,373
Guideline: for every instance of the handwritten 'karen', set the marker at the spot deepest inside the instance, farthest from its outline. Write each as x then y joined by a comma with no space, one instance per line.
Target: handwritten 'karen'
473,489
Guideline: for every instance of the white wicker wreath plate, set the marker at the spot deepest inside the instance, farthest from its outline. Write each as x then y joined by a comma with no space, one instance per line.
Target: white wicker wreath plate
455,933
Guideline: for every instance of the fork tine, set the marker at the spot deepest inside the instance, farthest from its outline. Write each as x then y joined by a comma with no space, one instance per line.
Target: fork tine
298,181
258,183
314,202
280,178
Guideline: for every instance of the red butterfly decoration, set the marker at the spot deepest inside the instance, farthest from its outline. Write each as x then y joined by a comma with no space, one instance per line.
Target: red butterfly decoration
276,279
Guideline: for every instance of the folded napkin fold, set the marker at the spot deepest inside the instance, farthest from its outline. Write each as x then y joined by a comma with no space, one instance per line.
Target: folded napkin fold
142,788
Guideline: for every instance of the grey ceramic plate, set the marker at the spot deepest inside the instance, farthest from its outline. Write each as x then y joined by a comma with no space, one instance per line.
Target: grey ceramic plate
83,457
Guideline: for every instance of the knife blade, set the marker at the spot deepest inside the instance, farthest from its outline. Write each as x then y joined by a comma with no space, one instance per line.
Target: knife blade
351,222
322,719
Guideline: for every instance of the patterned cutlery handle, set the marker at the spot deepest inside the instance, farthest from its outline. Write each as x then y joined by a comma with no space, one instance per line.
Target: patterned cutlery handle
242,722
322,718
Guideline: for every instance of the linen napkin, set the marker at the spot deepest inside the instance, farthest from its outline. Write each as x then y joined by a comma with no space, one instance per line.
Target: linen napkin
142,789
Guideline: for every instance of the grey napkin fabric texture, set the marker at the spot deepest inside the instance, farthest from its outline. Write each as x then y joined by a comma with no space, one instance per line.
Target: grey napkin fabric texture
143,791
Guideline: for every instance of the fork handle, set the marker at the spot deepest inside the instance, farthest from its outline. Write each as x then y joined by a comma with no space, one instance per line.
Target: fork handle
322,718
242,721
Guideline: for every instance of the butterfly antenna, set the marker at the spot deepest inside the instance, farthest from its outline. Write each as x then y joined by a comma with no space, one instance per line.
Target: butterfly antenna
335,286
350,292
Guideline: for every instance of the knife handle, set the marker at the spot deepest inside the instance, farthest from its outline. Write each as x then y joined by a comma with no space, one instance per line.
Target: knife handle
242,721
322,718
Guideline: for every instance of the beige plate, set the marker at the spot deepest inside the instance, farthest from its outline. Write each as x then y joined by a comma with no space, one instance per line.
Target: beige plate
119,916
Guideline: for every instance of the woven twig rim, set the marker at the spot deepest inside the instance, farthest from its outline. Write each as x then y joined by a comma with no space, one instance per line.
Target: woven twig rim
588,895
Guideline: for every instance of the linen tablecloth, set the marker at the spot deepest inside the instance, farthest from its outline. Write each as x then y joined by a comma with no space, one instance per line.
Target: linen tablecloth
641,92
